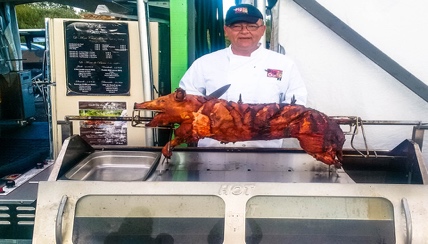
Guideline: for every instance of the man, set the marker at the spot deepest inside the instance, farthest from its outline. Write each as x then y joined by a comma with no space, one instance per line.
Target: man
256,75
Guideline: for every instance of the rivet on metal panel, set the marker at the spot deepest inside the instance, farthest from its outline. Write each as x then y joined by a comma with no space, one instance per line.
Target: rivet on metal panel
236,220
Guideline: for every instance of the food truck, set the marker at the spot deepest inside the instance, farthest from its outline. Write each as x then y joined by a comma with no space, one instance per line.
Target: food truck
107,180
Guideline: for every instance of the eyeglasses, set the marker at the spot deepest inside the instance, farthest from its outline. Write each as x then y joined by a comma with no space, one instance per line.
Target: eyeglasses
250,27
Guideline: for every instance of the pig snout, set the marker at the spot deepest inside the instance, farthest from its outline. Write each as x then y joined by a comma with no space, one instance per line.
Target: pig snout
139,106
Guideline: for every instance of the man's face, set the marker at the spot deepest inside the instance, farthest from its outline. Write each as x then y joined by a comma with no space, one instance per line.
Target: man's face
245,35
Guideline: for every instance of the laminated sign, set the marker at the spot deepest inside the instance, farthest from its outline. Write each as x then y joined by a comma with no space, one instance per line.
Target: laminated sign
97,58
103,132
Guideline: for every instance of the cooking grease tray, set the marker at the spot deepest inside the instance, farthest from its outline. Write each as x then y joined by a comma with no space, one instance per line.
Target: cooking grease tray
115,166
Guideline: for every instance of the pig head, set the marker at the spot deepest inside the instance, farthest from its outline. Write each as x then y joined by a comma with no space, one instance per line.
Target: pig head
173,108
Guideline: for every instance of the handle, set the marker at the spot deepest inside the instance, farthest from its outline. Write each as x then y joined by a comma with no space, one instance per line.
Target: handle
58,222
408,220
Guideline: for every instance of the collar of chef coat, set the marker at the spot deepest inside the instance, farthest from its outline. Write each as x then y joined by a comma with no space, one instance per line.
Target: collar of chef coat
256,52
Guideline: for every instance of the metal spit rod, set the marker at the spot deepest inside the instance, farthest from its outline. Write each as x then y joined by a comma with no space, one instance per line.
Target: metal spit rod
353,121
109,118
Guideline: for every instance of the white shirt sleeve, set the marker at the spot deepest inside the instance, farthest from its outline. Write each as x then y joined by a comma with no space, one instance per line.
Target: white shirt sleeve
193,81
296,88
206,74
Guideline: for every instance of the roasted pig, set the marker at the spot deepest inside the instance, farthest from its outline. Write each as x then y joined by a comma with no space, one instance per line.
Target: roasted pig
229,122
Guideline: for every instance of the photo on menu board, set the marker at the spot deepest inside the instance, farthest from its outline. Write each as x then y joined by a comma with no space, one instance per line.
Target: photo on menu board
97,58
103,132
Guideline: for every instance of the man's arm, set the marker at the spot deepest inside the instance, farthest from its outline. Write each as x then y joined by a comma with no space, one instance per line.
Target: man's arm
192,81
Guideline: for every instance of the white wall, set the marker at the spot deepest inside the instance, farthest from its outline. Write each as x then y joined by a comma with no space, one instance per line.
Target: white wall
342,81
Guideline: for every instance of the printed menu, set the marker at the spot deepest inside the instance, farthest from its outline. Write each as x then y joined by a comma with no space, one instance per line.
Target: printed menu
97,58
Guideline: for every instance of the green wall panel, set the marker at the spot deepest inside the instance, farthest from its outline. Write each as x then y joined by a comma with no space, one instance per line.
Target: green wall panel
179,37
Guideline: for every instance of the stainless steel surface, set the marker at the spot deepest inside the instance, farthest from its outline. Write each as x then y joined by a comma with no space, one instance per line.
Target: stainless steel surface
402,165
264,191
418,135
408,217
23,179
246,166
73,150
58,220
316,211
115,166
18,209
146,60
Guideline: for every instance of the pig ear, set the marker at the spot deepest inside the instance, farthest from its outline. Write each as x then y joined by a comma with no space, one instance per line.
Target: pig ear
180,94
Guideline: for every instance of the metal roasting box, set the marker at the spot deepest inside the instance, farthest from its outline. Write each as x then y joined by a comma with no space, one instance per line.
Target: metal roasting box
231,195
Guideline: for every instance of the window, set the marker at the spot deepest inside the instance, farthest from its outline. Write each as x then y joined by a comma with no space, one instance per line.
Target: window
144,219
319,220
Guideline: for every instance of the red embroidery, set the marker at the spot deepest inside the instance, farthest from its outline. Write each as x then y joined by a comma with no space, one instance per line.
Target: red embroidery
274,73
241,10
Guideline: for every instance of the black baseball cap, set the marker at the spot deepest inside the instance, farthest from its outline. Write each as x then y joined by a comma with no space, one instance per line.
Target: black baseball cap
243,13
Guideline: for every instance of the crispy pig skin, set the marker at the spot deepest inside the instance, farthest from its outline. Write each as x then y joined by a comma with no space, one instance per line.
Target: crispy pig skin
226,121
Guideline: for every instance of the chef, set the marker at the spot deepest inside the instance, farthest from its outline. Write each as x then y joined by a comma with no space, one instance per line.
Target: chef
256,74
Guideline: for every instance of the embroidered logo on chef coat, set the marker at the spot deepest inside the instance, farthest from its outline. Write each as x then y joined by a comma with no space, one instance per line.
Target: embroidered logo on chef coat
274,73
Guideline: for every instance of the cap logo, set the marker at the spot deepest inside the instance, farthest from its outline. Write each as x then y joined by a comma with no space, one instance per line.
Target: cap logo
241,10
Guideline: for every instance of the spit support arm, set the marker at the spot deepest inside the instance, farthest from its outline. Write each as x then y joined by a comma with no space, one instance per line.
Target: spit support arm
354,122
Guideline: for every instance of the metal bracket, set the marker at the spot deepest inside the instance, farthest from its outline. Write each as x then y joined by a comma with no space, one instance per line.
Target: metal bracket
354,122
418,135
66,129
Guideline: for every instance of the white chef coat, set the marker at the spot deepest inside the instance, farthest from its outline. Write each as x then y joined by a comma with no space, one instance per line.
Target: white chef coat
264,77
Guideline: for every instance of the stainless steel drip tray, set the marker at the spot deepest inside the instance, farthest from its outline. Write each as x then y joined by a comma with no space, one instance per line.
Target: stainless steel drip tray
115,166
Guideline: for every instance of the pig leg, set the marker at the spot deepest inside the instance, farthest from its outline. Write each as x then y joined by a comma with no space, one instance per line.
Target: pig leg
162,119
182,134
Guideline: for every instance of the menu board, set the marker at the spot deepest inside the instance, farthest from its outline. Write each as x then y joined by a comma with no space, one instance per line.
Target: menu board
97,58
